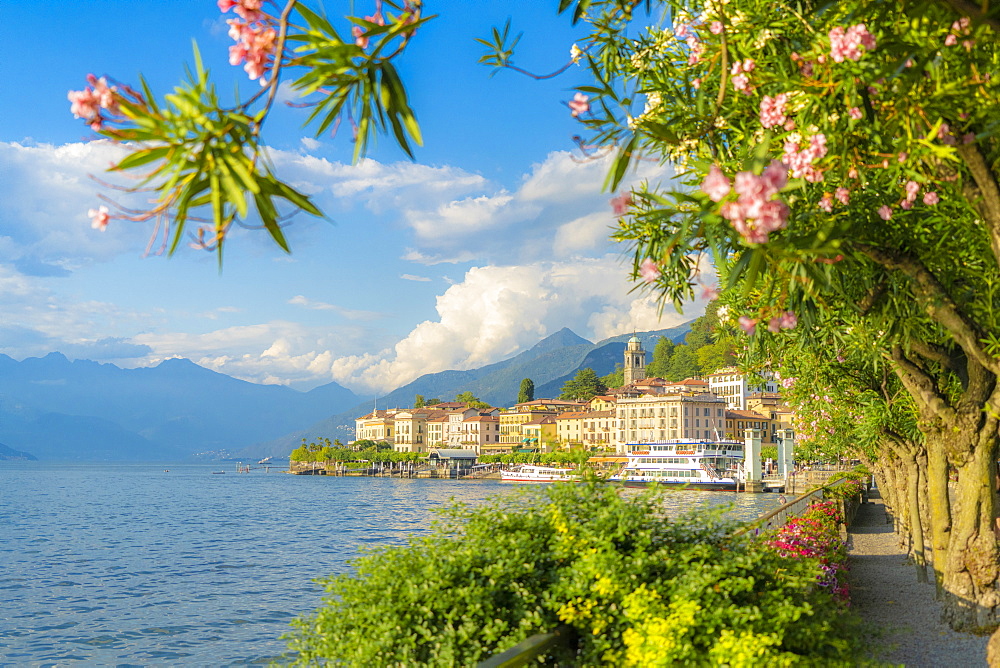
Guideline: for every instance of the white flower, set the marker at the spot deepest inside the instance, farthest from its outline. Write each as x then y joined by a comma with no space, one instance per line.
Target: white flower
575,53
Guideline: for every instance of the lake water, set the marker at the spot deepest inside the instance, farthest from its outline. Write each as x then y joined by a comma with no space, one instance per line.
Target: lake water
130,564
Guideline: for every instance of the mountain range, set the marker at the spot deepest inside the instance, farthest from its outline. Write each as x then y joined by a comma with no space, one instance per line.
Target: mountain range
54,408
549,364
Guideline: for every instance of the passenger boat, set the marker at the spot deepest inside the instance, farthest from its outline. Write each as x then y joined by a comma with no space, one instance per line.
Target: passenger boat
535,473
687,463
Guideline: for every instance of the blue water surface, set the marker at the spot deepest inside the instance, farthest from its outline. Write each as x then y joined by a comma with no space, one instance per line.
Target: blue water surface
168,564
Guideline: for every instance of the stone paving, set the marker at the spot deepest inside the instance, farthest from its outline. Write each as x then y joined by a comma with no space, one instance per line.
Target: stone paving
901,615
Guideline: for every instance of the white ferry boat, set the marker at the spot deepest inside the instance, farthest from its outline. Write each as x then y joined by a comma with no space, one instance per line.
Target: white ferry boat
688,463
535,473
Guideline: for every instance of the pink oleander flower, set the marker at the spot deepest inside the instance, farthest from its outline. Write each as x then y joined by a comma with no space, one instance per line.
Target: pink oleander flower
843,195
788,382
621,203
841,358
773,325
648,270
968,137
772,110
885,212
950,40
749,65
360,39
788,320
901,158
716,27
696,83
99,218
741,82
912,188
852,173
579,104
85,104
709,292
755,214
931,198
748,325
906,204
826,203
855,113
715,184
681,31
800,162
944,134
847,45
696,53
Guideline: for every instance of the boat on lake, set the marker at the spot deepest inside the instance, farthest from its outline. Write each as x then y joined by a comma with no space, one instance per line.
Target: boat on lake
687,463
536,473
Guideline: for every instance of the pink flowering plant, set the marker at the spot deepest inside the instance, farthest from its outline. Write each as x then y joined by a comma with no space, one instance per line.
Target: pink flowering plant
205,161
883,225
814,536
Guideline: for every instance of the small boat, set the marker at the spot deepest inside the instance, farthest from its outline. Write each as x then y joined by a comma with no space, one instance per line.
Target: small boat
534,473
266,460
217,472
687,463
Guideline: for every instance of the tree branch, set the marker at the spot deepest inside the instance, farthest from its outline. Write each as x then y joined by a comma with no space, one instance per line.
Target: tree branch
989,191
936,301
921,385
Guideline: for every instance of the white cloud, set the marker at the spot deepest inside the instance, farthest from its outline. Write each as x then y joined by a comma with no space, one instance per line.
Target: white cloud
350,314
47,191
497,311
419,257
411,277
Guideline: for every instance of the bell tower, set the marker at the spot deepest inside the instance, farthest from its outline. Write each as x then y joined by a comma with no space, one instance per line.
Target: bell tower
635,361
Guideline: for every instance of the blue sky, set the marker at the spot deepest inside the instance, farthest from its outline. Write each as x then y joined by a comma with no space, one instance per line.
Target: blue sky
494,237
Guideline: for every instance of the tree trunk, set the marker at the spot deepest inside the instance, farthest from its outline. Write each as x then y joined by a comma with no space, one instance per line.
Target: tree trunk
972,570
916,527
940,508
925,506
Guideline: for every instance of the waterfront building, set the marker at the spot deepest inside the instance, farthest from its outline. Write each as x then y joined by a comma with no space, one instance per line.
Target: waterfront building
737,422
550,405
590,430
376,426
539,433
411,429
651,418
436,430
603,402
736,387
511,421
771,405
480,432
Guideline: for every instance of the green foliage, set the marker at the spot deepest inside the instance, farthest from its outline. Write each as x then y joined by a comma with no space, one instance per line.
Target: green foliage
616,378
576,458
683,364
662,353
419,401
769,452
472,400
584,386
527,391
637,590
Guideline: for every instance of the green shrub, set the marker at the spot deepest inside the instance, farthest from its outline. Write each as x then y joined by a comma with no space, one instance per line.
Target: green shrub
636,589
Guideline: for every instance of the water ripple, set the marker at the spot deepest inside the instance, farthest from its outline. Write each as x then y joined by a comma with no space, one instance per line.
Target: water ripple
125,565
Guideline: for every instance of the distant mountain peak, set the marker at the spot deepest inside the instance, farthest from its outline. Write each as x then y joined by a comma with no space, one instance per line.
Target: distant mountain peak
564,337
